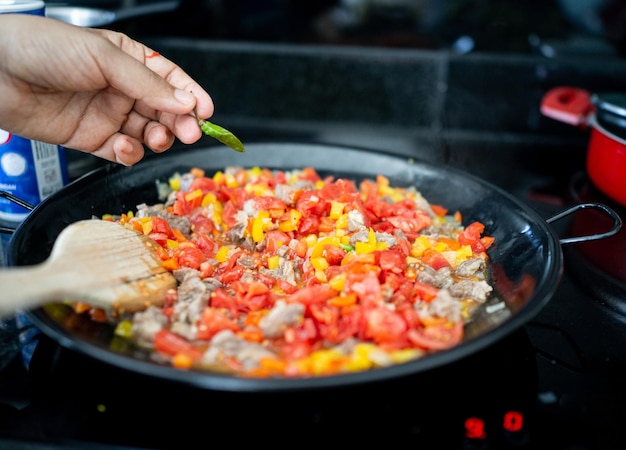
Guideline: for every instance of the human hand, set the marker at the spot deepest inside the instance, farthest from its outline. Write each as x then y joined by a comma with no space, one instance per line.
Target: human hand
93,90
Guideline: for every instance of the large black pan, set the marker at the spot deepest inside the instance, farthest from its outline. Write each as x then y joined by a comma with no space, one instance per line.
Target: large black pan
526,260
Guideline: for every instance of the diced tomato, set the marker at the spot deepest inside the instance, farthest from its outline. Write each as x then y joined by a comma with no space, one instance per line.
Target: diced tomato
311,203
367,287
172,344
204,184
159,238
266,202
201,224
160,225
318,293
293,351
234,274
191,257
208,246
286,286
328,315
275,239
333,254
254,296
384,325
309,174
437,337
434,259
222,300
471,236
212,321
410,223
341,190
439,210
424,291
392,261
229,213
348,325
309,225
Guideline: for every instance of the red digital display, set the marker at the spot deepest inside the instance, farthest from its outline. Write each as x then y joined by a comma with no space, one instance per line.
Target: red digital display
475,428
513,421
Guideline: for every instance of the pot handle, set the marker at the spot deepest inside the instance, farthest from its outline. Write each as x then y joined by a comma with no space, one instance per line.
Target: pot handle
569,105
617,222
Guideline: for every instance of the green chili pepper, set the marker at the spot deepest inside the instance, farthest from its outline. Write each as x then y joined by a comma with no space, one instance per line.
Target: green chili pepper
346,247
220,133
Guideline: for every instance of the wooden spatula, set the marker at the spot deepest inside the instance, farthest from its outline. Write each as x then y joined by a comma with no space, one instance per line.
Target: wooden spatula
95,261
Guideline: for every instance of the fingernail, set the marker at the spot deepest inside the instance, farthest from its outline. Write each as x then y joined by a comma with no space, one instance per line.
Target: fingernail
184,96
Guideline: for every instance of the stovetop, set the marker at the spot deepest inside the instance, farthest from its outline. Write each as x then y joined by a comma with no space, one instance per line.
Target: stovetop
556,383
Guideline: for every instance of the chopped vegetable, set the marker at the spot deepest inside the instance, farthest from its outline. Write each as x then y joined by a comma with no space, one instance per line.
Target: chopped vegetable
288,274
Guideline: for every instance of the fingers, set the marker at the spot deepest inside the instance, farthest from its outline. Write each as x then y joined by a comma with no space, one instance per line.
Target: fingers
163,85
158,137
122,149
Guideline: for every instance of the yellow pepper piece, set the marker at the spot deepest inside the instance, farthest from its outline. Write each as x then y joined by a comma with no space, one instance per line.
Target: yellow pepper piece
257,230
320,275
418,247
336,209
337,282
230,180
259,225
360,360
363,247
210,199
222,254
318,250
342,222
319,263
258,190
402,356
292,223
254,171
273,262
322,361
124,329
310,240
464,252
190,196
146,226
174,183
367,247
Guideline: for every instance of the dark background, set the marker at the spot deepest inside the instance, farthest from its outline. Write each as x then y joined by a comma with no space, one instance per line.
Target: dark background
457,82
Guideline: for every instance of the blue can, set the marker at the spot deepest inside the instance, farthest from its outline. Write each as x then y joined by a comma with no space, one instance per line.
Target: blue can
35,7
30,170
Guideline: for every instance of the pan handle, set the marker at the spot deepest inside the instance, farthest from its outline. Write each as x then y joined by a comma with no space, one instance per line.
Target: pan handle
17,201
617,222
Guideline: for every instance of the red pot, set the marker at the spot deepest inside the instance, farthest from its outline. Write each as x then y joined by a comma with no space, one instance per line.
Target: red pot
605,115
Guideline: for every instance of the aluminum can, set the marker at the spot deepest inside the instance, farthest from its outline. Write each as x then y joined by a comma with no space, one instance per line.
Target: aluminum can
36,7
30,170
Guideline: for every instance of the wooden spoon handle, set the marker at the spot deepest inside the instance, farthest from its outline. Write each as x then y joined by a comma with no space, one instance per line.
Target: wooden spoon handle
33,286
29,287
